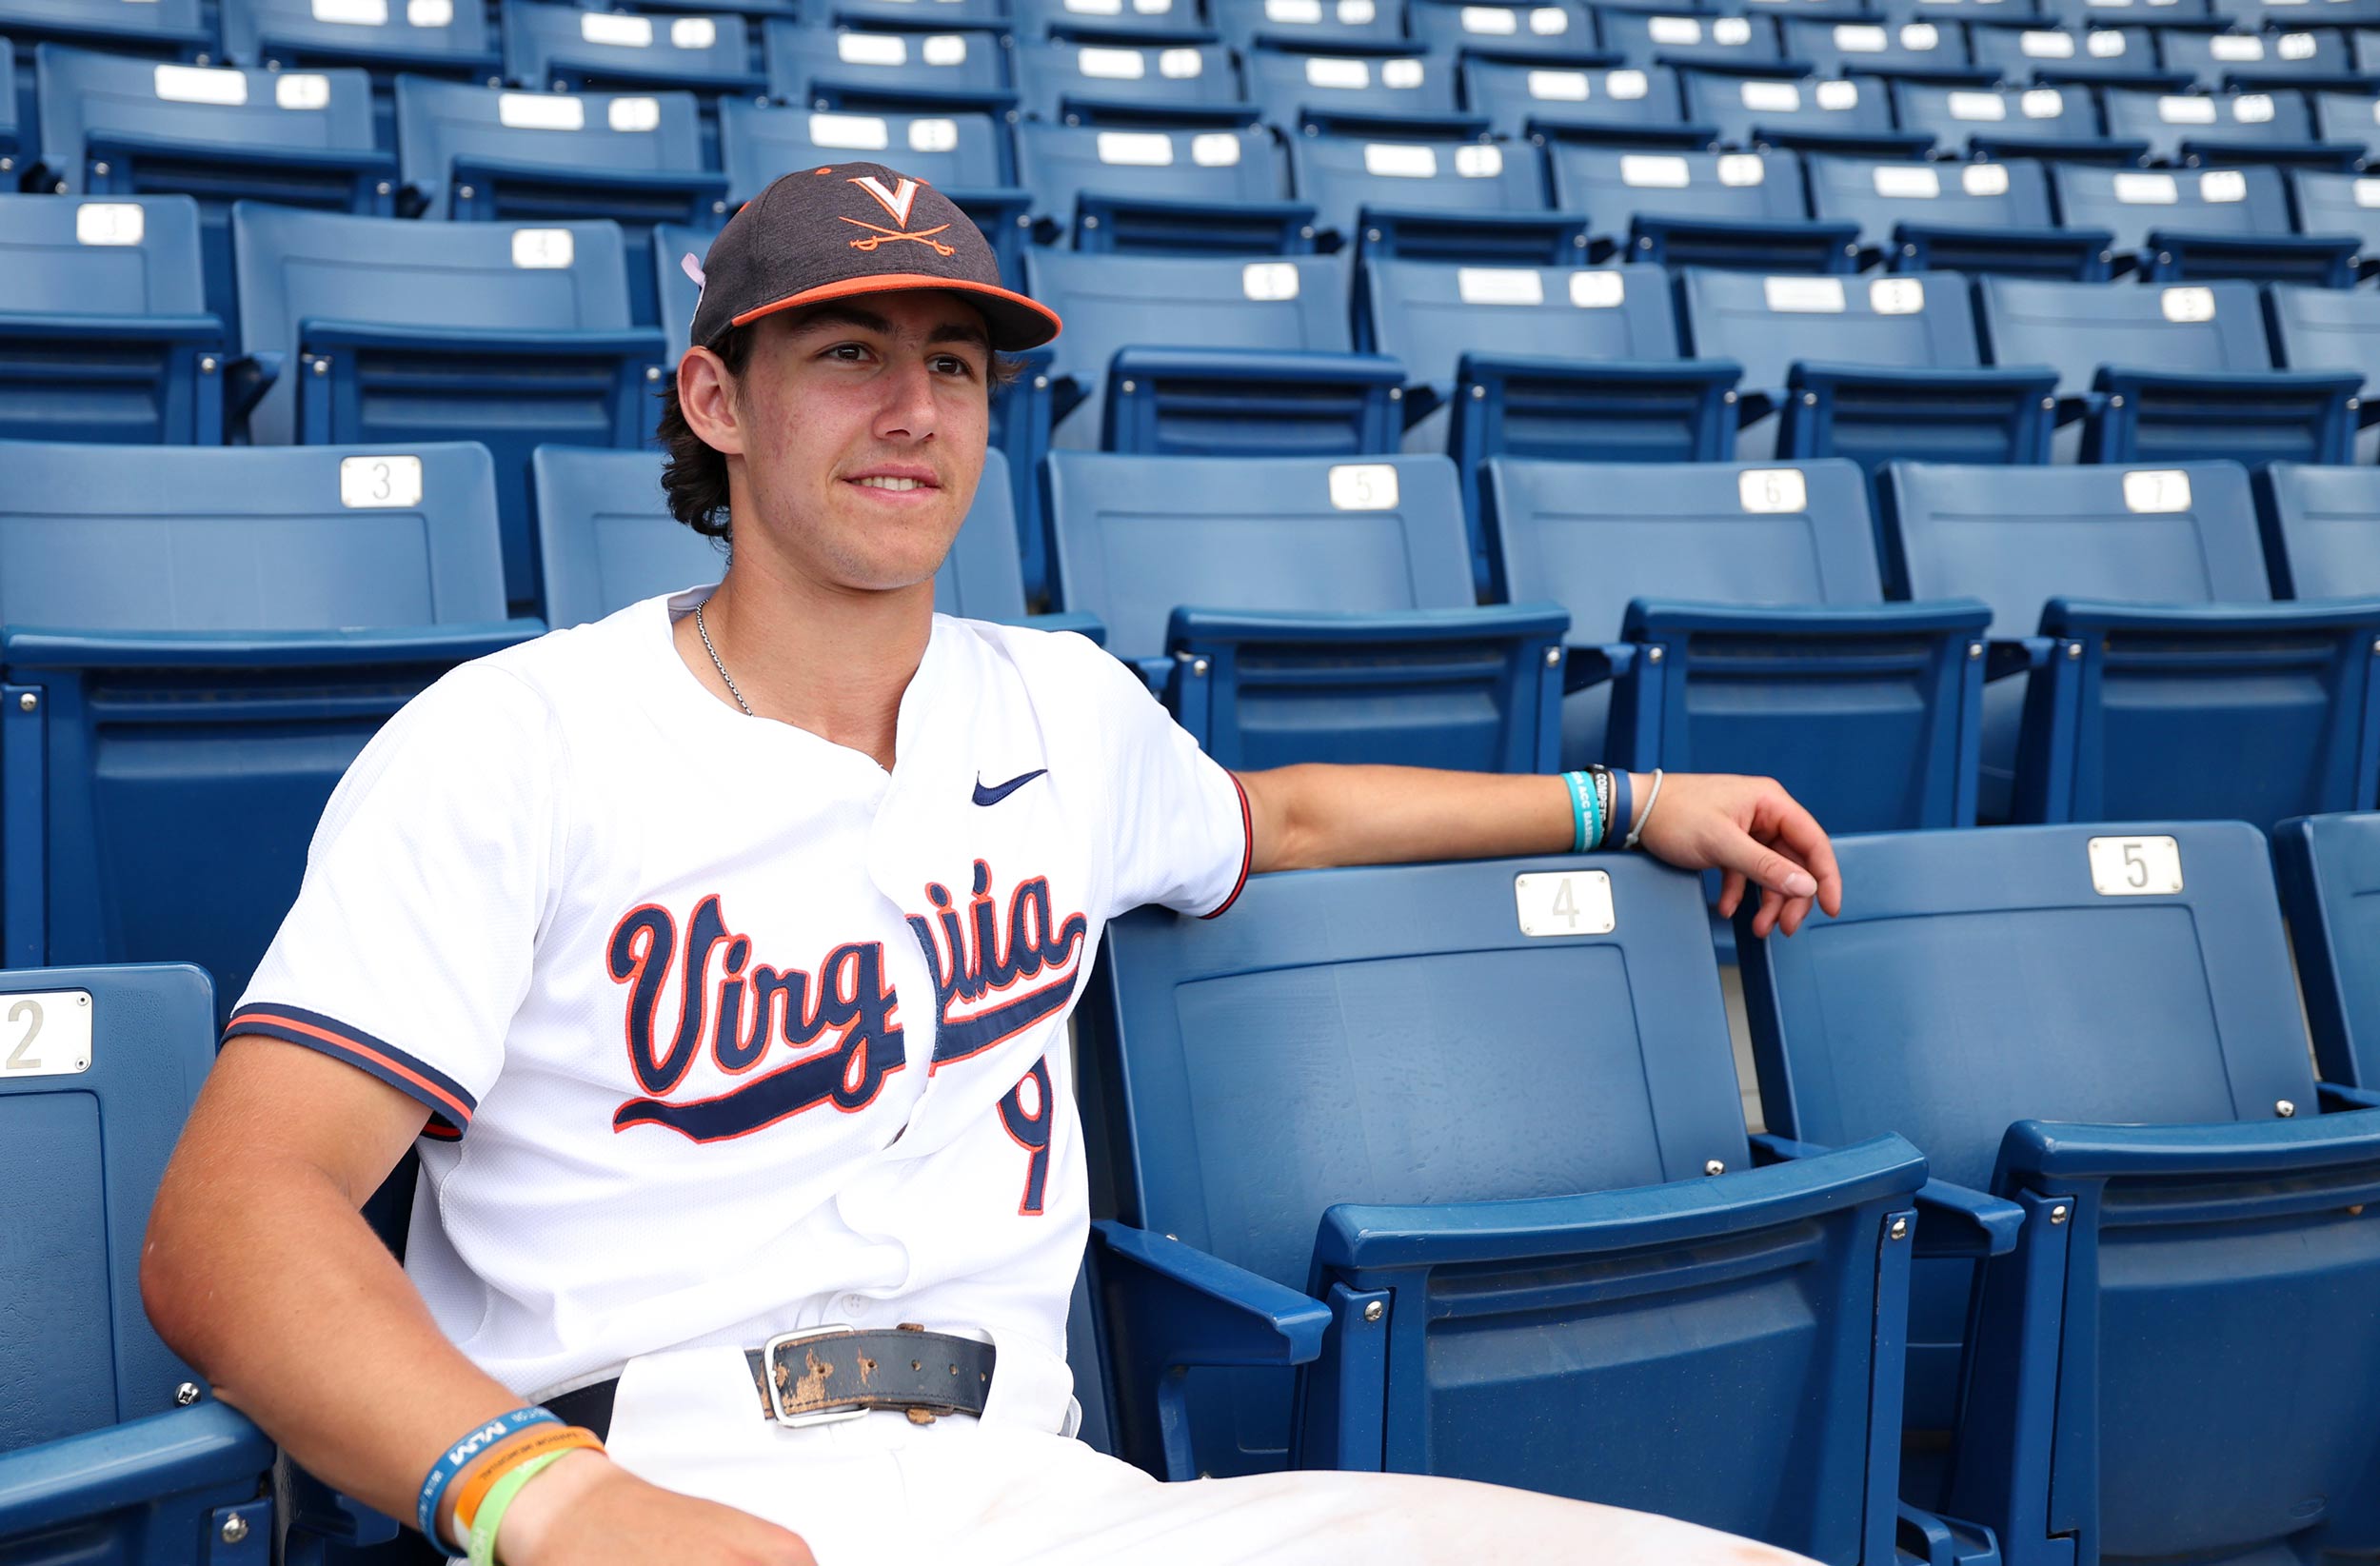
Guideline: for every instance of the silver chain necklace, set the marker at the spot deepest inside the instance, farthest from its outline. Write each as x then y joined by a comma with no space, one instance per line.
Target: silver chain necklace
703,631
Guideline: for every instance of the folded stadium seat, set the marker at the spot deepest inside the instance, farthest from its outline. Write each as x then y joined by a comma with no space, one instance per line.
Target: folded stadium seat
1178,192
1436,201
449,42
1521,30
2364,41
2327,866
2350,119
1390,91
1321,25
116,126
2038,122
1870,369
1743,210
2149,1205
1740,43
1829,11
1620,107
1930,50
483,154
1306,608
1156,21
2338,204
97,1462
1611,1241
2097,56
2157,13
219,631
2160,678
1731,617
2203,223
1950,11
2266,15
2168,372
2309,60
572,51
1111,82
925,74
19,152
743,7
964,155
906,16
1976,217
2319,535
171,29
365,330
2224,129
1544,362
104,333
1813,114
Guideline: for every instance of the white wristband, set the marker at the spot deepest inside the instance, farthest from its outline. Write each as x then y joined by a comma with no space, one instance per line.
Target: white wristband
1651,797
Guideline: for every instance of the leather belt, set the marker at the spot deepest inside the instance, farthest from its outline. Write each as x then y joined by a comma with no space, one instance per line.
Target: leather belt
825,1375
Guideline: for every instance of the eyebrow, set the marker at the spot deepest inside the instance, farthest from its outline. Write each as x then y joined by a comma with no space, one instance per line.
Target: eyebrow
834,314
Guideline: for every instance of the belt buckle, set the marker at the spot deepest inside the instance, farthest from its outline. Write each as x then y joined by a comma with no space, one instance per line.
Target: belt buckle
776,1410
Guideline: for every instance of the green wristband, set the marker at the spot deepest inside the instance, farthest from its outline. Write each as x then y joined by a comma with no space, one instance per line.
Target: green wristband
491,1510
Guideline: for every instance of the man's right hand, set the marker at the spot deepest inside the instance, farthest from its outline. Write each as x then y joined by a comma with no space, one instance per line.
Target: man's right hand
587,1510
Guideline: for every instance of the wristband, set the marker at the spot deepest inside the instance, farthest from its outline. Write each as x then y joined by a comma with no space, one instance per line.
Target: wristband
492,1513
459,1455
1575,782
471,1491
1652,798
1623,812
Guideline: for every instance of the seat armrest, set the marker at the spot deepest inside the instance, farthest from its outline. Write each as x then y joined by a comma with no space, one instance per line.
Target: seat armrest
1088,108
2049,1150
1546,239
1475,367
30,648
1206,1311
128,1464
129,146
2338,1098
1952,1220
2035,381
627,343
1286,227
2335,254
1191,629
1263,364
2083,618
2024,655
247,380
2215,152
1651,237
697,186
1587,664
201,330
1380,122
1913,244
2123,380
1652,617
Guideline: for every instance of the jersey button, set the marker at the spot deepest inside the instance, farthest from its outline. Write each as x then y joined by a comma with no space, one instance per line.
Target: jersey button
848,1306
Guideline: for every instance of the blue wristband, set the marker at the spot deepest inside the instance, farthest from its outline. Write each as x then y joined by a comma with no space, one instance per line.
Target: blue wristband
459,1457
1623,805
1573,781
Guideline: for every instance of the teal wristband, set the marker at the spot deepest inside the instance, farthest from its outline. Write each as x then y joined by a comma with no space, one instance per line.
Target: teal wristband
1573,781
1594,812
491,1510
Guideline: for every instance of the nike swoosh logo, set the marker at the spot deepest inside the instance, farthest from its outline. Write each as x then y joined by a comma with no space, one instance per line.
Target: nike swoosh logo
1000,791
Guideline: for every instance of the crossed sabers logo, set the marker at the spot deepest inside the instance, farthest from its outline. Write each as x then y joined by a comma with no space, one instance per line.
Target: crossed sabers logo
896,200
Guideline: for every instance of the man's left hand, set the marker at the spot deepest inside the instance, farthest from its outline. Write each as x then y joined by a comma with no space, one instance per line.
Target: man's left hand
1748,829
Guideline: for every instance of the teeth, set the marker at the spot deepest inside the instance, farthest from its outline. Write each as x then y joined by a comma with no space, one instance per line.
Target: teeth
890,483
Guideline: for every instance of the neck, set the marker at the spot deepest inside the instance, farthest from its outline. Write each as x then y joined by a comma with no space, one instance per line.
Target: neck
829,660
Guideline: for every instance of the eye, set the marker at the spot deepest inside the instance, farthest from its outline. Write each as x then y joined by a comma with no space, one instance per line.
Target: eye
849,353
951,363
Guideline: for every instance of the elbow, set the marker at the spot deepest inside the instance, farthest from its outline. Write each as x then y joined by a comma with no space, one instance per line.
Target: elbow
172,1288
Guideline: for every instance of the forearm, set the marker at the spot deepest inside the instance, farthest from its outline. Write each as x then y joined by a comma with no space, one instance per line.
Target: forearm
1307,817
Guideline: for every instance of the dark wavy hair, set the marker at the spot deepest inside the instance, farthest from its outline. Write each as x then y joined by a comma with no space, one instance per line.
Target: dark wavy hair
695,478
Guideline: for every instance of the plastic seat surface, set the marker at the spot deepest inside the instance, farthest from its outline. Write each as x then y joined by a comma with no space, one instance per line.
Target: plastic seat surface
1744,209
1318,24
1959,117
1412,198
177,29
2215,126
1167,19
959,155
865,71
452,40
1295,88
1621,102
1553,29
2192,225
570,49
2099,53
2312,57
1971,217
1112,81
2328,869
2321,530
1161,190
1833,48
1686,38
1751,111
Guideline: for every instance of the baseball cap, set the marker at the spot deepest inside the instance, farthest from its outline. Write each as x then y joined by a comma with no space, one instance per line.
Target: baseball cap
852,228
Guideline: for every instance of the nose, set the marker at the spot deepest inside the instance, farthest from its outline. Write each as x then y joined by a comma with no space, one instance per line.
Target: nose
907,412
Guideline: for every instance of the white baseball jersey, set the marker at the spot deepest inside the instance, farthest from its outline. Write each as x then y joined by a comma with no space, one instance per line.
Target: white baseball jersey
725,1031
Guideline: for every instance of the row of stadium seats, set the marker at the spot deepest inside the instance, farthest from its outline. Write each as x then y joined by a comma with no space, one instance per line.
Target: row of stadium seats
2056,1248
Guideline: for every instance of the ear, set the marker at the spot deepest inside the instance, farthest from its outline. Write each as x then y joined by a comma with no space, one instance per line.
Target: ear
707,395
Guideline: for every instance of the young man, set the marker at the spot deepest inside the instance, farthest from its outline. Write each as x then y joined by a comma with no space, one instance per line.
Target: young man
725,945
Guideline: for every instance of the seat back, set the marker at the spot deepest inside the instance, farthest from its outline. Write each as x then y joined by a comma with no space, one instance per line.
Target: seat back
1649,38
1155,19
608,540
1916,320
826,68
1555,30
952,152
2218,60
1139,537
2217,327
1418,1001
1745,109
101,1068
1308,23
2321,529
2347,119
674,288
1059,163
2329,868
149,28
1953,116
1428,314
1833,47
2088,14
1628,99
1344,175
565,48
1613,185
1109,80
2325,329
2096,52
1879,195
1291,85
608,132
2166,120
2131,203
2337,204
285,32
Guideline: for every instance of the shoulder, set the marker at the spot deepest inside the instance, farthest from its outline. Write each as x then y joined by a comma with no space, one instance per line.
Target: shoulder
1053,666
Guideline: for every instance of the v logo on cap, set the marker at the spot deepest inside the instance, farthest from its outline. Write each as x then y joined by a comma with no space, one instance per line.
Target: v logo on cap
897,201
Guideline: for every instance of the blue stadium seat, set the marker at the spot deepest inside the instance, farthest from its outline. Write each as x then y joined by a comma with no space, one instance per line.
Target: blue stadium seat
2321,530
1735,615
360,331
1645,39
2267,15
2306,58
1840,114
1308,23
1976,217
573,51
1389,92
1516,29
1871,368
19,152
903,15
2328,868
1614,1243
2160,679
2224,130
449,42
2350,119
2165,372
2329,329
2194,224
2136,1189
474,154
1741,210
1934,51
1162,192
1544,362
1828,10
674,287
1952,11
97,1463
104,331
191,665
2094,56
176,30
1175,21
1436,200
2091,13
1115,82
1620,105
604,532
120,126
955,72
1306,609
2040,122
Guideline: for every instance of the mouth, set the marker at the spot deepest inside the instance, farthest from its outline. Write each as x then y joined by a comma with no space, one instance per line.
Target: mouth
895,486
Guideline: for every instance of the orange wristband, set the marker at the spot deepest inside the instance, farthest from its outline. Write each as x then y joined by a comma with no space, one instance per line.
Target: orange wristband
481,1476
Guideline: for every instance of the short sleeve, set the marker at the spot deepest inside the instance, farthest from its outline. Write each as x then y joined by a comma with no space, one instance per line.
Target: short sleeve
414,933
1181,835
